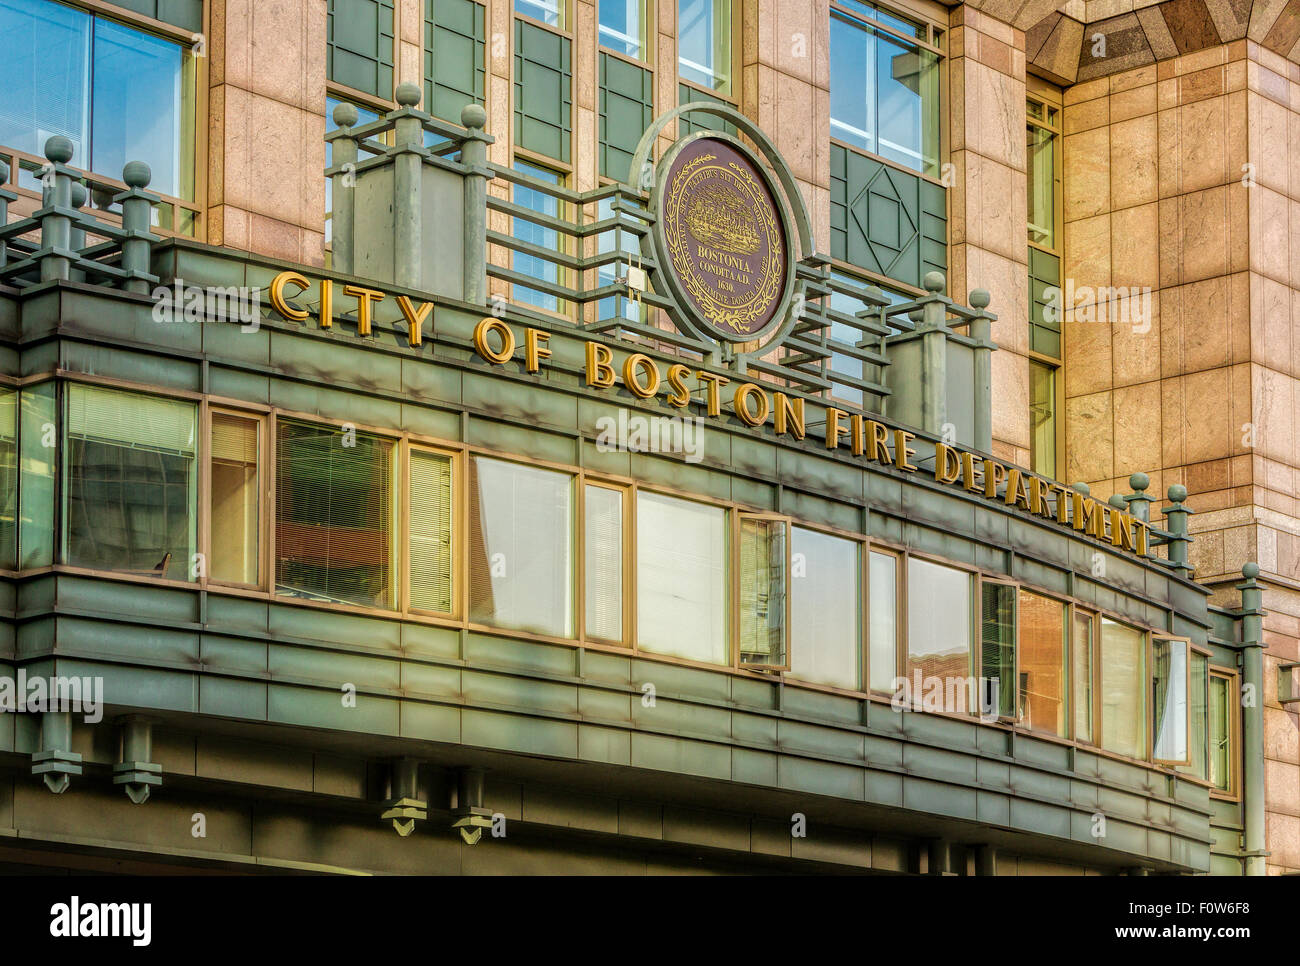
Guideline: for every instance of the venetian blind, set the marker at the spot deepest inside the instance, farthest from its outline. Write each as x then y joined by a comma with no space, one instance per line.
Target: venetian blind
131,419
603,548
430,528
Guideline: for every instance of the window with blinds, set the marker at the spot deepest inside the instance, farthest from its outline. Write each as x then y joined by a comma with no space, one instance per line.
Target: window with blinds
1198,704
8,477
1082,647
235,510
602,543
681,578
763,592
430,556
825,604
521,547
334,513
882,582
131,483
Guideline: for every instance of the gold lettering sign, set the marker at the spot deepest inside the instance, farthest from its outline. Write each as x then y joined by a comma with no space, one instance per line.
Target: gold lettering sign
724,239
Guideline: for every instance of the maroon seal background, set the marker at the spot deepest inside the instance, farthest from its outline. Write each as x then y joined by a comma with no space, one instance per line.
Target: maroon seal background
724,238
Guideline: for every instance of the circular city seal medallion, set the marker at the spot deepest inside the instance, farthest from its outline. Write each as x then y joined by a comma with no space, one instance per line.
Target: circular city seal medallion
723,238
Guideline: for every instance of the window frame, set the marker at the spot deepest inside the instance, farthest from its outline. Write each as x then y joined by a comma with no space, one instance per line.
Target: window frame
734,588
649,31
264,457
461,452
935,22
974,575
1094,673
459,528
735,41
1233,679
1152,638
564,308
196,139
627,556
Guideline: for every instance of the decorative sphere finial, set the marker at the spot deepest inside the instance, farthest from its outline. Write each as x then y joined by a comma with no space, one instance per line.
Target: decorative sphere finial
408,94
1082,488
473,115
1177,492
79,194
137,174
345,114
1117,501
980,298
1250,570
1139,481
934,282
4,172
58,149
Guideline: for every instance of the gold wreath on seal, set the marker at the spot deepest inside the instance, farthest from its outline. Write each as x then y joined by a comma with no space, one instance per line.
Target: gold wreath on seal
678,226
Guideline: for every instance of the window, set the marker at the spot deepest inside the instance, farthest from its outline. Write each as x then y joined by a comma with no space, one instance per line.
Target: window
842,363
998,648
704,43
455,68
884,88
117,93
764,563
825,608
1169,686
623,26
549,12
1221,727
131,483
1123,689
1042,668
536,234
521,547
1042,418
616,306
37,460
1043,174
1082,649
334,515
431,527
939,627
681,573
235,498
1198,709
8,477
603,560
883,584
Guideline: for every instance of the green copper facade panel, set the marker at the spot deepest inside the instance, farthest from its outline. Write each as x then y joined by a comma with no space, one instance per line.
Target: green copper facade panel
543,91
886,220
455,69
186,14
359,45
1044,311
691,123
626,110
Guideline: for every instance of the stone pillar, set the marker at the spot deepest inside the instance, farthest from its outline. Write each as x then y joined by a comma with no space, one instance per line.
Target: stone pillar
988,246
266,123
784,72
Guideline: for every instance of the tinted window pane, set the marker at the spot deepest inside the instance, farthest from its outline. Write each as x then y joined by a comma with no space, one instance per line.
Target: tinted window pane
534,234
1123,689
138,106
521,547
762,592
45,76
234,498
603,547
1082,647
883,581
939,629
681,550
998,648
704,43
334,515
1042,669
622,26
8,477
825,604
1169,693
131,482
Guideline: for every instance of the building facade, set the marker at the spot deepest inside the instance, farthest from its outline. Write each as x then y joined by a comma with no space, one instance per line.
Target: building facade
371,446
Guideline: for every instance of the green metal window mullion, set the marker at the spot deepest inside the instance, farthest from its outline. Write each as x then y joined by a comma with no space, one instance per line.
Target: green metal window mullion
626,110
